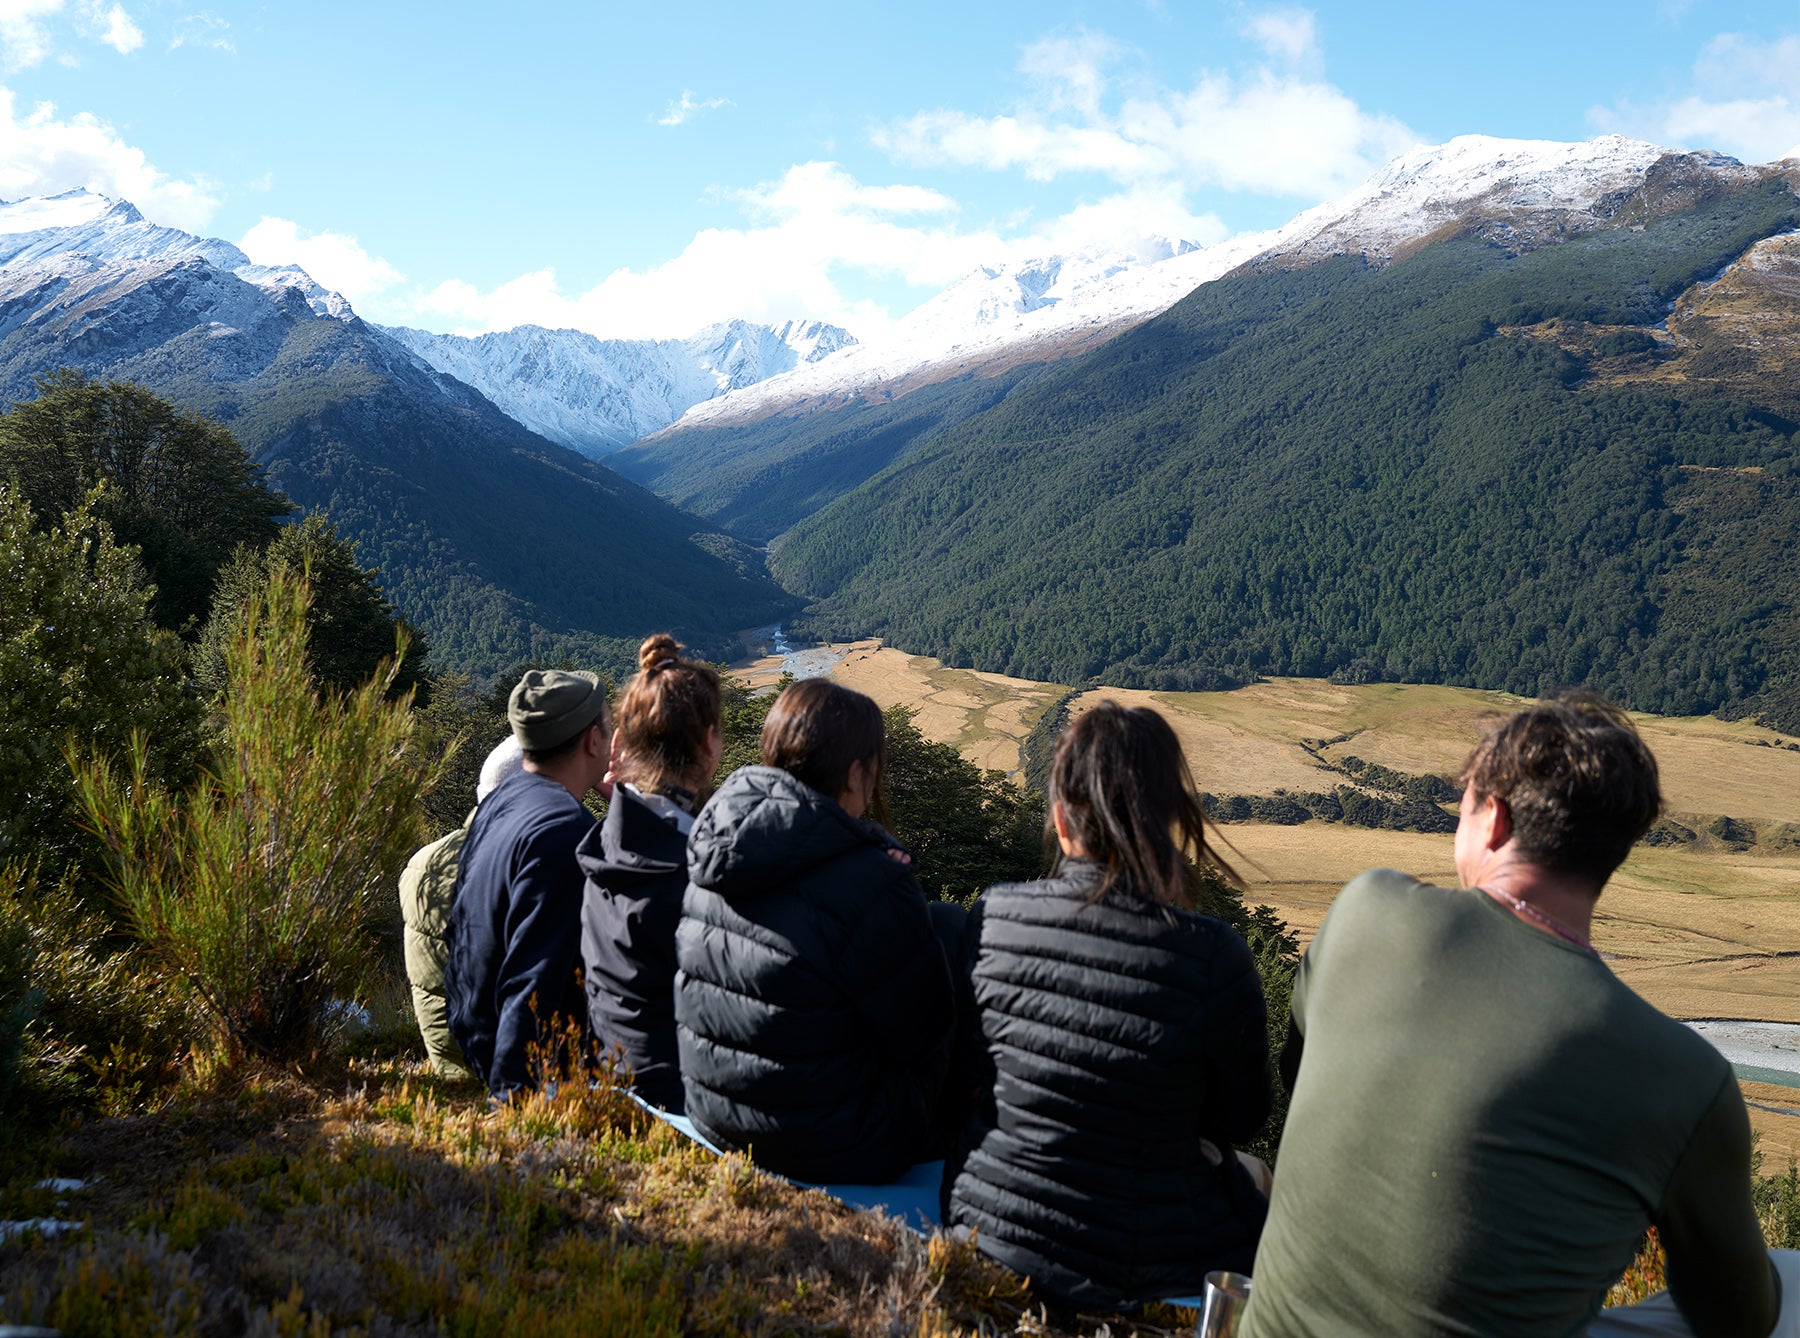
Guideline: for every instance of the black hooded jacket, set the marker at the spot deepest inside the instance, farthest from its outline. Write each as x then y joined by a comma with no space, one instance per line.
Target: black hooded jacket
1127,1049
636,868
813,1005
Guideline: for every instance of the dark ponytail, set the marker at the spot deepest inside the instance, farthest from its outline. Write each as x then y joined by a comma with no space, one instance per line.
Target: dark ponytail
1129,800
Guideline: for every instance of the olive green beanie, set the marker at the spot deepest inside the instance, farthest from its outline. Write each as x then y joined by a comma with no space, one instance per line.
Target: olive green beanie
551,706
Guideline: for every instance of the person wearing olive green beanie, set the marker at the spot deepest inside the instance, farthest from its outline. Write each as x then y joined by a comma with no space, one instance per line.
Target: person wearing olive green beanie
513,974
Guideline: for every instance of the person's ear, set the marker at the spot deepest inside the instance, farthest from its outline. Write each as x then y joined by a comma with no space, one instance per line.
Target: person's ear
1500,822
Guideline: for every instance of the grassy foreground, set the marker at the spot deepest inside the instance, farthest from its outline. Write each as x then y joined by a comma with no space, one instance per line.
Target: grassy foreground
379,1200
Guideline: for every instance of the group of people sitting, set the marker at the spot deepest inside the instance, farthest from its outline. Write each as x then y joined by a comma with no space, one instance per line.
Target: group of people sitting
1483,1120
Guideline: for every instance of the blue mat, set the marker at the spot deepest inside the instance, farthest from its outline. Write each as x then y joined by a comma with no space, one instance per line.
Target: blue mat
912,1200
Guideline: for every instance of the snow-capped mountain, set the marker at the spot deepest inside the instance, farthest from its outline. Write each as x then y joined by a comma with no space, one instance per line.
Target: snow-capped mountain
595,395
81,231
430,479
1520,192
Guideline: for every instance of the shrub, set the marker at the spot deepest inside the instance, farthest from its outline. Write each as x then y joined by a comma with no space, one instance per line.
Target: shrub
350,624
966,828
79,658
266,887
1777,1199
84,1020
180,487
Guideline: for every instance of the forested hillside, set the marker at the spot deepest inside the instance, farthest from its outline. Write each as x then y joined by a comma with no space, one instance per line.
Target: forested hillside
500,545
1351,470
756,480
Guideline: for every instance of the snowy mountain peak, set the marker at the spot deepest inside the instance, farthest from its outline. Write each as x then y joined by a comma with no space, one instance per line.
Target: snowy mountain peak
596,395
89,231
1524,192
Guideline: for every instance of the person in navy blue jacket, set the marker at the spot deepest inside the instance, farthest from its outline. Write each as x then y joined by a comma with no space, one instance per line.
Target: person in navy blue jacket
513,977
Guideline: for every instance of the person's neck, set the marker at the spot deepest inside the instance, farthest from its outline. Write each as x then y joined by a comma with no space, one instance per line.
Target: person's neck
569,772
1565,899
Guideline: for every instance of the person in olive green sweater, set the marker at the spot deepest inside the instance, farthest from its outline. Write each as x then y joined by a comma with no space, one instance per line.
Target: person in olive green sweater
1484,1119
426,886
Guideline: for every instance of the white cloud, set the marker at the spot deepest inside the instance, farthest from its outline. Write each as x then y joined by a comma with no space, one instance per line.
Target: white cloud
42,154
115,28
808,232
1272,130
1287,35
24,35
26,38
688,107
805,228
336,260
203,29
1743,98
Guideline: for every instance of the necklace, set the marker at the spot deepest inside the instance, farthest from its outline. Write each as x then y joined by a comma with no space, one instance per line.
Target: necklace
1549,922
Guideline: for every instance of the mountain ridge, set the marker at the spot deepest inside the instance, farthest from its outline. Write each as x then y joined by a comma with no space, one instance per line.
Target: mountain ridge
499,544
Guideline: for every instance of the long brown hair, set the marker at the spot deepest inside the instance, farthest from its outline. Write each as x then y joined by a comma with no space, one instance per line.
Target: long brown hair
664,716
816,729
1129,800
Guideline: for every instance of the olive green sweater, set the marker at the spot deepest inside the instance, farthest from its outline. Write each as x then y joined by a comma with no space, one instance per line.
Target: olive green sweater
1484,1122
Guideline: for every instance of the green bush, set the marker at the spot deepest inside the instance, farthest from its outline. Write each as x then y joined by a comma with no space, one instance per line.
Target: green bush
179,486
269,885
350,625
966,828
79,659
86,1022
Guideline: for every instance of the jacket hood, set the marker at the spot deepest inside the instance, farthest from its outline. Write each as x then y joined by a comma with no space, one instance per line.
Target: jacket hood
764,829
633,844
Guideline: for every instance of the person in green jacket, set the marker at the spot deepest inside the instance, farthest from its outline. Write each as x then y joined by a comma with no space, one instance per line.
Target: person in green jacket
426,886
1484,1119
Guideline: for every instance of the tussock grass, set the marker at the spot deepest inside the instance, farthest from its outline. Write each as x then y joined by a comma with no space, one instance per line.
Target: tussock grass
382,1200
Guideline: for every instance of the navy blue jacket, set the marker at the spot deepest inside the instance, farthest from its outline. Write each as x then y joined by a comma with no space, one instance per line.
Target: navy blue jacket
813,1006
636,868
1126,1050
515,928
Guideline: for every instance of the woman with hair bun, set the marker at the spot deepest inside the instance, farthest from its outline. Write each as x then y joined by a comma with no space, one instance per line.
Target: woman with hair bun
1123,1036
814,1006
665,747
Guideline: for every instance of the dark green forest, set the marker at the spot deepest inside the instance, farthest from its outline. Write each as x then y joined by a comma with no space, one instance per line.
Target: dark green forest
499,545
1354,471
756,480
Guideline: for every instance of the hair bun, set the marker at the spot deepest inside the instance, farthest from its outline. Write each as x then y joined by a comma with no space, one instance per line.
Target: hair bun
657,652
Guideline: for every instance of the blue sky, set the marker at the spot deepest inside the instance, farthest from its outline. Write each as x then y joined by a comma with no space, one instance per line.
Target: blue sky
641,170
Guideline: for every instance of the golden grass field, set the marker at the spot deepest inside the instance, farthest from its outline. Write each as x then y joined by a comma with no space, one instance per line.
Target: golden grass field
1701,931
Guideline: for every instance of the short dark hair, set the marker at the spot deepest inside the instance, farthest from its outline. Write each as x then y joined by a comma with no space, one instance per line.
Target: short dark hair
1580,783
816,729
539,756
1129,798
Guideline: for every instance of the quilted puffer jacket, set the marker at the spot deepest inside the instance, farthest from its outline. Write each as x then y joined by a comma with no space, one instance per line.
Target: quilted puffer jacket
813,1004
1127,1047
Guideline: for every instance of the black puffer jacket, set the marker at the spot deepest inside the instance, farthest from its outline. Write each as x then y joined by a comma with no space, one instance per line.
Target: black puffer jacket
1128,1048
813,1006
636,868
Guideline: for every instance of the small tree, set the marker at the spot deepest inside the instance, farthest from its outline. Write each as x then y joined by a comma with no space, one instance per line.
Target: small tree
265,885
350,624
180,487
80,661
968,828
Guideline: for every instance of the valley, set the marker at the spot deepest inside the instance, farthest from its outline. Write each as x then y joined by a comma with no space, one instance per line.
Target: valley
1705,930
1709,928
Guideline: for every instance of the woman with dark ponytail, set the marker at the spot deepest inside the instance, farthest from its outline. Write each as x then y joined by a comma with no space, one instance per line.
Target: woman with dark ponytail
1123,1038
814,1005
665,747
